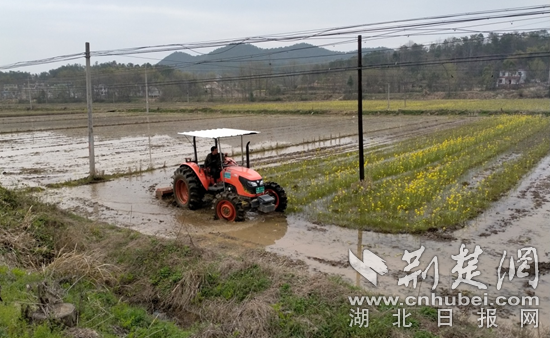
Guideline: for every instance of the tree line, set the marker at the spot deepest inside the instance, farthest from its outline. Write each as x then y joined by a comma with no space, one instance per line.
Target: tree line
412,68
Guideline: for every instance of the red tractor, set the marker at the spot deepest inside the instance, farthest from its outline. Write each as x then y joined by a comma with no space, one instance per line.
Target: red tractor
237,189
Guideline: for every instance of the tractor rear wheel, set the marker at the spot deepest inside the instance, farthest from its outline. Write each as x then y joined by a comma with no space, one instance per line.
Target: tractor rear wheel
228,206
187,189
279,194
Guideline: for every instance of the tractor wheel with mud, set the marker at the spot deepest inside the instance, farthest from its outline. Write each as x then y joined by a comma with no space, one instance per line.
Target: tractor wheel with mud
279,194
187,188
228,206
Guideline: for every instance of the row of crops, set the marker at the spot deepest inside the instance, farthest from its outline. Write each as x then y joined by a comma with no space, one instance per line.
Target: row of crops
435,181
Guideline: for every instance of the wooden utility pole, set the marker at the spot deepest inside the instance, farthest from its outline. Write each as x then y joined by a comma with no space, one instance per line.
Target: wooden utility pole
360,107
89,105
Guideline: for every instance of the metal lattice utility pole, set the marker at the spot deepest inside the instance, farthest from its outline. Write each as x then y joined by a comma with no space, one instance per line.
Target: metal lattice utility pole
89,105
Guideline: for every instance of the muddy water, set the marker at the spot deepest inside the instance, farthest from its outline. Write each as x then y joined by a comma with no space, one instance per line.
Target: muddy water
130,202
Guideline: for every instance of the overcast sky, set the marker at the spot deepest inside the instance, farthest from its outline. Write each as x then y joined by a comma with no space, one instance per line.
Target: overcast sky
37,29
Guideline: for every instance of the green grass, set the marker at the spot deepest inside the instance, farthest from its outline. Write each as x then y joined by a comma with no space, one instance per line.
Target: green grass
33,236
238,285
99,309
307,316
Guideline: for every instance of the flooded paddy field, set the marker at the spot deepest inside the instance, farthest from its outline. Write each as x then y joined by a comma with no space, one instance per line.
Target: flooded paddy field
37,150
44,149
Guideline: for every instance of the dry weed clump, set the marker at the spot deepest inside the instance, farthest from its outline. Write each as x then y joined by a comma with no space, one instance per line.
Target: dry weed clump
20,241
88,265
185,291
250,318
322,287
20,244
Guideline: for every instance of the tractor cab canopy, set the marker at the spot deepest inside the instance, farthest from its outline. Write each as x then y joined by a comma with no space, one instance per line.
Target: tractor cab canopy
217,134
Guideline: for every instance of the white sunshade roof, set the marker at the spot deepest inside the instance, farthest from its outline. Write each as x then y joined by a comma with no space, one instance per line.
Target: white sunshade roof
220,132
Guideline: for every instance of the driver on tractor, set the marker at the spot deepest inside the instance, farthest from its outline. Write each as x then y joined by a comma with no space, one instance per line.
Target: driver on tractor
213,163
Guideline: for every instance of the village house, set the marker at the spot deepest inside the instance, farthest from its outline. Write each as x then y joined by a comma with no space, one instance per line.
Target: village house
511,78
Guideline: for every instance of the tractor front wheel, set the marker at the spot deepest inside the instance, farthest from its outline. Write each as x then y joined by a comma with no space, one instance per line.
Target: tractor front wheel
279,194
229,207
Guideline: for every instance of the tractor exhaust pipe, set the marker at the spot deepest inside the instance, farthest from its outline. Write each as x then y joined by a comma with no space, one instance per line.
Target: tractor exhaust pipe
248,155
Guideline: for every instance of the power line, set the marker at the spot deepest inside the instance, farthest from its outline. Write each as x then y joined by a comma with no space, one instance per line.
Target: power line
319,33
359,29
279,70
488,58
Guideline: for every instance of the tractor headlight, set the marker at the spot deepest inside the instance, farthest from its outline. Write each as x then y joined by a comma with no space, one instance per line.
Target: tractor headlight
251,186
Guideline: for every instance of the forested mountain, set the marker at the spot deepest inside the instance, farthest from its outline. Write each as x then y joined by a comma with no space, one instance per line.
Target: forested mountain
475,63
236,56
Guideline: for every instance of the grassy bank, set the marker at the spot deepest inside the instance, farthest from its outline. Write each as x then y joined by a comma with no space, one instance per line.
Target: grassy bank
125,284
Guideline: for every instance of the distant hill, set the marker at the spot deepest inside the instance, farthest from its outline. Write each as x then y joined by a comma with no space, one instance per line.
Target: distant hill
231,58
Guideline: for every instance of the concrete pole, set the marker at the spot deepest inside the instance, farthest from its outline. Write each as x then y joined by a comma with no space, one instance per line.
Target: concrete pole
30,96
404,96
148,127
360,108
89,105
388,96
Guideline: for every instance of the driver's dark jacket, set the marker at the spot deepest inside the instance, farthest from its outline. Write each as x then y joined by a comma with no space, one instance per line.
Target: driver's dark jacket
213,162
